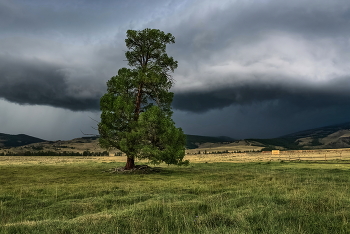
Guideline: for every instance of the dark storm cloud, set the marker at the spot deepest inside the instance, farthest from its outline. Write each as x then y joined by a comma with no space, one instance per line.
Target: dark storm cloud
237,59
199,29
300,96
239,32
20,17
285,54
38,83
72,18
61,53
322,18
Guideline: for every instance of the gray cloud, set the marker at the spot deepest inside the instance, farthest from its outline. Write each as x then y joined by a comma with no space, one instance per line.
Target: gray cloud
332,93
276,54
73,20
205,36
231,39
46,122
38,83
259,120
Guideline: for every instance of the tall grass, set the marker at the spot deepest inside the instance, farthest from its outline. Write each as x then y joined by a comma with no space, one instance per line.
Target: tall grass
201,198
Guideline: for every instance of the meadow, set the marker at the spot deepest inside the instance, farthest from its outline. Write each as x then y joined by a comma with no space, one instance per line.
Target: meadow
79,195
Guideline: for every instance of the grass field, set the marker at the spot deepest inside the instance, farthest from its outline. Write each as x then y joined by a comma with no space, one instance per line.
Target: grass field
76,195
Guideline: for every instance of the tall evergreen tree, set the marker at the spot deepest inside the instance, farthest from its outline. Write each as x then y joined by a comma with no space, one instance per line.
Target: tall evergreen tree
136,110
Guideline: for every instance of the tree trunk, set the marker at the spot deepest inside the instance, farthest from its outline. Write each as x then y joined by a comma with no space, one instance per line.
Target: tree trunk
130,164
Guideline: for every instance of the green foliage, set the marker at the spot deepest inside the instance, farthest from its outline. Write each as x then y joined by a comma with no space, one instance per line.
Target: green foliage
161,140
136,110
269,148
147,51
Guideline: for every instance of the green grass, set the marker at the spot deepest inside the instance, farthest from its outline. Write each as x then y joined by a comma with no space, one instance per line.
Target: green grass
200,198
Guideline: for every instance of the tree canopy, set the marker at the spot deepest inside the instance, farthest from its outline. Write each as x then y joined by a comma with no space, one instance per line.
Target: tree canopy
136,110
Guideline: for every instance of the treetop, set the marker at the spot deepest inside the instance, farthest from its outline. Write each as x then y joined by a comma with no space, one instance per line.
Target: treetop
147,50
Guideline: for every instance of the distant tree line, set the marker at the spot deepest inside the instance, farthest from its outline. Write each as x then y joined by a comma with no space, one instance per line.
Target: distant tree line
52,153
225,152
216,152
268,148
213,152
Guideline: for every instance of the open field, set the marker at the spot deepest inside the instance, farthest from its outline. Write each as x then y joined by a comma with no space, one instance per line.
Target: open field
32,160
193,156
291,155
76,195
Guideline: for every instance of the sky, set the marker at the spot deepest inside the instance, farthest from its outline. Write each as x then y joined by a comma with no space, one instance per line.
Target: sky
246,68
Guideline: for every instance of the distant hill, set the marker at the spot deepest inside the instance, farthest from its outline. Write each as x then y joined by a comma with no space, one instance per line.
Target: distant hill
275,143
7,140
318,132
193,141
333,136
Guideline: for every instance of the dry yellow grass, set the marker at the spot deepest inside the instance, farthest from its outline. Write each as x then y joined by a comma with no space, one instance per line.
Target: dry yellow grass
292,155
6,160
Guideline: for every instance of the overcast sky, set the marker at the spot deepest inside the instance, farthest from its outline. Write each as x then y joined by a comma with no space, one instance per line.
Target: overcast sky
247,68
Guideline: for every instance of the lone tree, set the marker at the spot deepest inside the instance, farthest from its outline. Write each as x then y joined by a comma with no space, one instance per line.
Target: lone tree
136,111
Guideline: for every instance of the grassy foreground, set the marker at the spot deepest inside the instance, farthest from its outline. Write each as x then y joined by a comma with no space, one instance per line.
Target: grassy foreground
201,198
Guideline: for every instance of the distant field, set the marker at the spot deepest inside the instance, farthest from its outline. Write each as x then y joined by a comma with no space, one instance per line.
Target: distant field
32,160
198,155
291,155
76,195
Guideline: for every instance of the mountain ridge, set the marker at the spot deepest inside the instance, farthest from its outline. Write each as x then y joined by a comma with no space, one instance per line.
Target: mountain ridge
332,136
9,140
318,132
